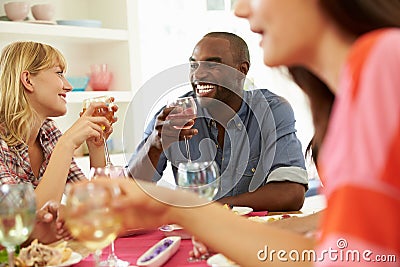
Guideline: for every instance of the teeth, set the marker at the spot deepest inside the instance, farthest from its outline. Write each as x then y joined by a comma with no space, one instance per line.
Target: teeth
204,88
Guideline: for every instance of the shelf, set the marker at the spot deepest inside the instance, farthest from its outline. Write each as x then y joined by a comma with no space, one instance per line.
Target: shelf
78,97
61,32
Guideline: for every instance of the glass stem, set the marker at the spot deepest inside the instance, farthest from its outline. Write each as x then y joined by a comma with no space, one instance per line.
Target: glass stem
108,160
187,149
96,256
10,253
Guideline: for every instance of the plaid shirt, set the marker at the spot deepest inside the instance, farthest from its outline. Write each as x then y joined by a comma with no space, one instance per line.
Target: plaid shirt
15,165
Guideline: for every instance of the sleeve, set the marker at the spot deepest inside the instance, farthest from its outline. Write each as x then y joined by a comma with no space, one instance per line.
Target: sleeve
288,163
75,173
6,176
162,163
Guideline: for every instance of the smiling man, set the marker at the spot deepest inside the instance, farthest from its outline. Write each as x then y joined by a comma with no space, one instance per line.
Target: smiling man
250,134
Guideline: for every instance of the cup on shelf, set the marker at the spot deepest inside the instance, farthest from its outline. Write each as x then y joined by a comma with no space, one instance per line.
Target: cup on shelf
43,11
16,11
100,77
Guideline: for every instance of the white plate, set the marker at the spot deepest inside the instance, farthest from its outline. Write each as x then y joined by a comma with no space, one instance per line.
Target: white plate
174,230
270,218
160,258
73,259
242,210
49,22
219,260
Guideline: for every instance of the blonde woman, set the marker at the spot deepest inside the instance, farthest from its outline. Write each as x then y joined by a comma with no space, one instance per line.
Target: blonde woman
33,88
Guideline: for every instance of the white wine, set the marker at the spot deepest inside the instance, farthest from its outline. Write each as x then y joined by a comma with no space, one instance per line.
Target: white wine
15,228
95,229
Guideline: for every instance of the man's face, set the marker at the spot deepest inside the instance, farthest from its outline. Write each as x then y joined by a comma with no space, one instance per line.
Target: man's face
213,72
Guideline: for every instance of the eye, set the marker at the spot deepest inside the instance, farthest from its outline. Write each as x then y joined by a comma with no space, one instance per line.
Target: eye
60,73
194,65
211,64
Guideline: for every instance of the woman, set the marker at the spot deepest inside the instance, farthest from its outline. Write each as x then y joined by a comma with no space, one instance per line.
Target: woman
33,88
345,55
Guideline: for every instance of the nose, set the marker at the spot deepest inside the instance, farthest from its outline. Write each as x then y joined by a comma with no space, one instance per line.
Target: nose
66,85
242,8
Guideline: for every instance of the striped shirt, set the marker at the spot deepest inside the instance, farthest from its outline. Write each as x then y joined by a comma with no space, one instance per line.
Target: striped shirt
15,165
360,158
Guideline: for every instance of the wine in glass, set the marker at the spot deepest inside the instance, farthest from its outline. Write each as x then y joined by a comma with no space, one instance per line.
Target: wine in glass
17,216
186,113
89,218
107,112
111,172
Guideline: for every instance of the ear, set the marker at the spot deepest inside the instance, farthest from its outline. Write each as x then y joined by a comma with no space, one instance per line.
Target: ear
26,80
244,67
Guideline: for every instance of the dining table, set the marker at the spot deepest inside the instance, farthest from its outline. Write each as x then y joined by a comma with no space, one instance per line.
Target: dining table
132,246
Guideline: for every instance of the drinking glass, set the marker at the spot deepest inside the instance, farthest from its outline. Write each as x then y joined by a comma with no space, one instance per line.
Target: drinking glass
89,218
106,112
111,172
201,178
17,216
188,111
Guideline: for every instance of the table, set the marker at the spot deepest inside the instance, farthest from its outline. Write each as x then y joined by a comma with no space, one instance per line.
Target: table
132,247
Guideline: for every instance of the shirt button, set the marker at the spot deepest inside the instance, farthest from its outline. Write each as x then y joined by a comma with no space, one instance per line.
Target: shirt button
216,145
253,170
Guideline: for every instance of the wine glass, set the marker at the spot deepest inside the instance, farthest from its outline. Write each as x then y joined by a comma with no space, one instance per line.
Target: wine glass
111,172
17,216
89,218
106,112
188,111
201,178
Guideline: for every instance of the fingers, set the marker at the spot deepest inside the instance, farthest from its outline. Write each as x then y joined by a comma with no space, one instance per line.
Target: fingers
48,212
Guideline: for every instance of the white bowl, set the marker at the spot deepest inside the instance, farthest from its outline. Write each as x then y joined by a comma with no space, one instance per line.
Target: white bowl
43,11
16,11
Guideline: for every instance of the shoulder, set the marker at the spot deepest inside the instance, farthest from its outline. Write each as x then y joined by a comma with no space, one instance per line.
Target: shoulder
50,128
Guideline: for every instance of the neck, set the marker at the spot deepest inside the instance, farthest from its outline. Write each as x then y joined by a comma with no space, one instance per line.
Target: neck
331,56
34,133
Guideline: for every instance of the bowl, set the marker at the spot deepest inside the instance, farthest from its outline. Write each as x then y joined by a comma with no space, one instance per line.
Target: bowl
79,83
16,11
43,11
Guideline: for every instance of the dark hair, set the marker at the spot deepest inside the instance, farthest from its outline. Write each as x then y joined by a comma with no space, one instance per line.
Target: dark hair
354,17
240,50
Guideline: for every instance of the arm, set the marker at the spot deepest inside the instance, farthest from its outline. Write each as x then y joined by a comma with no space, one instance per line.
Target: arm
52,183
274,196
160,134
234,236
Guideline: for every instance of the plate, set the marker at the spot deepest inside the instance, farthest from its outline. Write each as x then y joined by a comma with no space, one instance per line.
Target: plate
241,210
158,254
73,259
219,260
271,218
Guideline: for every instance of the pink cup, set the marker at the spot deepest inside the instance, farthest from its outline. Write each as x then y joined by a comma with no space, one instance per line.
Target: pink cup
43,11
100,77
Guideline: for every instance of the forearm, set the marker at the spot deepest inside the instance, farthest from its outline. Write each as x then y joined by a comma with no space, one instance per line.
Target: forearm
96,156
144,165
236,237
275,196
52,183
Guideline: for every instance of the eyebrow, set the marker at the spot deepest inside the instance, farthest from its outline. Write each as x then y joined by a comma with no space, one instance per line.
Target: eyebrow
214,59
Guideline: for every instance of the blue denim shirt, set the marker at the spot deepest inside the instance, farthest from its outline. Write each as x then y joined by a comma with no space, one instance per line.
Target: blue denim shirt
260,145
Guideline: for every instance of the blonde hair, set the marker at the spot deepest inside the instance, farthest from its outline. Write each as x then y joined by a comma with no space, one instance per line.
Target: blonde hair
17,116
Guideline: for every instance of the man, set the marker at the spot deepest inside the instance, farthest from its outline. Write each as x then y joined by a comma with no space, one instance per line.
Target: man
250,134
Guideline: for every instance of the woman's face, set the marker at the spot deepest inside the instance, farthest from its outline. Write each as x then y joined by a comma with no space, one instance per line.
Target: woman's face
290,29
49,88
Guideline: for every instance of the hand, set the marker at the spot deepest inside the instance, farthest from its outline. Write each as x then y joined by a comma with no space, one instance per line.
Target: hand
165,133
199,249
50,227
87,127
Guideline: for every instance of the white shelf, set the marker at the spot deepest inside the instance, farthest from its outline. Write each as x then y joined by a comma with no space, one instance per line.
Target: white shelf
120,96
61,32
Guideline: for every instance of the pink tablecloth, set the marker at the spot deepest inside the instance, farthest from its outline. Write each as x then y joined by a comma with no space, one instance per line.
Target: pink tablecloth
132,247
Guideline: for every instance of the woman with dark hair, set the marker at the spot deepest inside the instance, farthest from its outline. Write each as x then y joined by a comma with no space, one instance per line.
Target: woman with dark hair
345,54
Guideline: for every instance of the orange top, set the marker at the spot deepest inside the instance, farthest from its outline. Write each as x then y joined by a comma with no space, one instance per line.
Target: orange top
360,158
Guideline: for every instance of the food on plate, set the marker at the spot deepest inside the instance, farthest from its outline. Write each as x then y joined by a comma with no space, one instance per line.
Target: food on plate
37,254
264,219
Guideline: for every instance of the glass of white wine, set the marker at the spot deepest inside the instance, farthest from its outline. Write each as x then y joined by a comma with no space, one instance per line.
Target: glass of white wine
111,172
107,112
201,178
17,216
89,217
